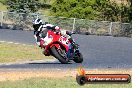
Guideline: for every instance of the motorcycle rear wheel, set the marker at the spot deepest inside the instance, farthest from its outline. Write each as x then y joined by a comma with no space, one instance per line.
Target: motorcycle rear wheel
59,56
78,58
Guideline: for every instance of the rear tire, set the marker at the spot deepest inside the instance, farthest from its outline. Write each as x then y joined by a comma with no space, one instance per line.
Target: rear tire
58,56
78,58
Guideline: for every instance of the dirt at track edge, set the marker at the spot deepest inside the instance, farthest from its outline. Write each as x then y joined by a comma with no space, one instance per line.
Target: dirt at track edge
14,75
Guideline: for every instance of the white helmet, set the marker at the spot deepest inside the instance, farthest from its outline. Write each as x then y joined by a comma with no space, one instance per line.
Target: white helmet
37,23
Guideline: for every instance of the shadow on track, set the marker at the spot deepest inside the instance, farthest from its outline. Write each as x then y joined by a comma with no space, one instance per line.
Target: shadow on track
48,63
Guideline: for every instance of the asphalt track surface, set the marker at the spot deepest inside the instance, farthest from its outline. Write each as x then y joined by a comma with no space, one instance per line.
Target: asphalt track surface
98,51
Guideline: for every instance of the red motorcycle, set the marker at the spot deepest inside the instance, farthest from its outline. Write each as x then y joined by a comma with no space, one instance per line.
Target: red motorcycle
60,47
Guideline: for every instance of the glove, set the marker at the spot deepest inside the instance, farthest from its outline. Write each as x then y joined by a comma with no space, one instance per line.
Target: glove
57,29
69,33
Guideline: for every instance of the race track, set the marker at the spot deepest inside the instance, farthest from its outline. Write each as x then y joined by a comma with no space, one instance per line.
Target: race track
98,51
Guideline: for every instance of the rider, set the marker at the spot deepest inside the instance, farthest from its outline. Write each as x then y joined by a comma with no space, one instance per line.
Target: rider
39,27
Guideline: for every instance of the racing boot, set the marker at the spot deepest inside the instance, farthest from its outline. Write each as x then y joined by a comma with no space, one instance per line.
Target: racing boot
74,45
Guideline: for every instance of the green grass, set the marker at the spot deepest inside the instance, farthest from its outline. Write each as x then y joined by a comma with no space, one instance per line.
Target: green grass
56,83
45,11
15,53
3,7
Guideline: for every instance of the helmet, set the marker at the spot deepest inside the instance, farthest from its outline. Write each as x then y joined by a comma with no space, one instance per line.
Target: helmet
37,23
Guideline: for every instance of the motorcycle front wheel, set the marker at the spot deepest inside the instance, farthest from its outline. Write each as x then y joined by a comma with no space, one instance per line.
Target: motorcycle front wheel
60,56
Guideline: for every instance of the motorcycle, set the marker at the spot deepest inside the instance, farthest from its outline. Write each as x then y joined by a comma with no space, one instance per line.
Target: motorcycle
60,47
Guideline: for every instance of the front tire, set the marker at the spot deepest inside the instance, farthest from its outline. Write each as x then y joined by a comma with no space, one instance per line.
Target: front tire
57,55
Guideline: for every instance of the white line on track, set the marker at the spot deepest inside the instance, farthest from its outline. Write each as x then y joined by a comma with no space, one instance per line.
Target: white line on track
2,41
35,61
15,43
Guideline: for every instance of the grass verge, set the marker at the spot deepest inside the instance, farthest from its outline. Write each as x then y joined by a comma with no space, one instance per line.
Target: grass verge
16,53
68,82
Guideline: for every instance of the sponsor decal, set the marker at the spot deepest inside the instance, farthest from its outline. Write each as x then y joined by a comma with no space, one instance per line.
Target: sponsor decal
83,78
